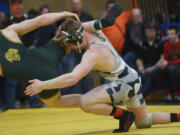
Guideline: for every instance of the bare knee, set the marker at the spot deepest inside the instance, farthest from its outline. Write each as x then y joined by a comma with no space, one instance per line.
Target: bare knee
146,122
140,112
84,104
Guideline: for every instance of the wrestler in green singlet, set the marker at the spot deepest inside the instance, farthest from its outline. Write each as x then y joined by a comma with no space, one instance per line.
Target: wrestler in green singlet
20,63
23,64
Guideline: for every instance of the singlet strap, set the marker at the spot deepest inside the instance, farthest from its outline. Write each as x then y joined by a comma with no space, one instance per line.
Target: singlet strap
118,62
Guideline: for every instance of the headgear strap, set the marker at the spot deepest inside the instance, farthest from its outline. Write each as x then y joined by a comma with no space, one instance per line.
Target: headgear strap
74,37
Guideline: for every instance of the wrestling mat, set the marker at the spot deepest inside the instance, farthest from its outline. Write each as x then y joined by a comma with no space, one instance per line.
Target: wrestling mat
48,121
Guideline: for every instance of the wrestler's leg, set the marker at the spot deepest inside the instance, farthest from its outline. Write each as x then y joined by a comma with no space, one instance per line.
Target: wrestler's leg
63,101
98,101
146,120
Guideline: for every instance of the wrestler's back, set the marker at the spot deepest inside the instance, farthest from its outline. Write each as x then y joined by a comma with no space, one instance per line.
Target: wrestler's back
21,63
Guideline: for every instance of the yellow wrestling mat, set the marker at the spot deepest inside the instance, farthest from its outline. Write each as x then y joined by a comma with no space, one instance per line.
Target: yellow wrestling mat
74,122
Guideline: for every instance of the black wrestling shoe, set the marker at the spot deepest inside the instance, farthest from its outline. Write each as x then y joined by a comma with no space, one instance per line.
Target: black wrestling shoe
125,122
110,19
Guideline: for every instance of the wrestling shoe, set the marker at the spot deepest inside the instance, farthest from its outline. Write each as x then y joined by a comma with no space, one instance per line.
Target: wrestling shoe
125,122
110,19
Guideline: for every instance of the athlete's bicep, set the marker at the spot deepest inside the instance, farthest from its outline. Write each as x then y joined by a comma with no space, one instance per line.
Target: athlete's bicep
25,26
81,70
86,65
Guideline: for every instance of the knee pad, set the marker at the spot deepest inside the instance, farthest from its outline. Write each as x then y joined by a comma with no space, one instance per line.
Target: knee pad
146,123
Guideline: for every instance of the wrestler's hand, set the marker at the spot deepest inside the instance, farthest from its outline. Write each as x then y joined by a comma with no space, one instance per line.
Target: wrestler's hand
110,19
34,88
66,14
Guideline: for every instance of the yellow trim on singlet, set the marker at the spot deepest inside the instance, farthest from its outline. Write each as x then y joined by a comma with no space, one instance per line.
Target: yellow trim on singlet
9,39
1,70
67,50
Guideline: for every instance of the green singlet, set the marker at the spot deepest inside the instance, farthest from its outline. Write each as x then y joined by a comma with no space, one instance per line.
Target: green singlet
23,64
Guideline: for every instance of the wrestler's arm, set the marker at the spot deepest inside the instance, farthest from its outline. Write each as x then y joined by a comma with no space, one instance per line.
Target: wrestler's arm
88,61
43,20
81,70
89,26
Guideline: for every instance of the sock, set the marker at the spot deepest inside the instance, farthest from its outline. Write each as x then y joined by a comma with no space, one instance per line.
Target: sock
168,91
177,93
117,112
175,117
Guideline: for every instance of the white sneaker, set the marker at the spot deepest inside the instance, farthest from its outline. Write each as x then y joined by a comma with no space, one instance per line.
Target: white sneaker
168,98
177,98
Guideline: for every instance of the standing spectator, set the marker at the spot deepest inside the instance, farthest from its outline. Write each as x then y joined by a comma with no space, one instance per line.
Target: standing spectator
45,33
17,12
18,16
77,8
134,34
10,85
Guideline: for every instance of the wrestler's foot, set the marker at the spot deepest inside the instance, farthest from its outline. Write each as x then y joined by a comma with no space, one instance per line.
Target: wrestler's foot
110,19
125,122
